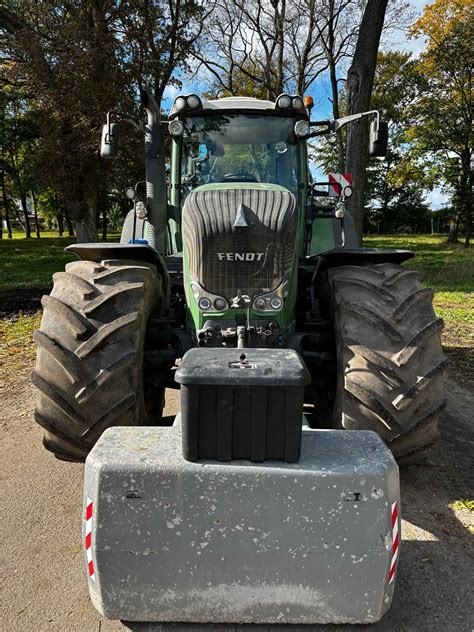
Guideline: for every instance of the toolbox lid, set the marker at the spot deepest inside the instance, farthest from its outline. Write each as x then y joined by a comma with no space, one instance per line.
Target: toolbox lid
242,367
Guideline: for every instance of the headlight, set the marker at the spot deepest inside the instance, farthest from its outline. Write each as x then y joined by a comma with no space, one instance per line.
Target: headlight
276,303
302,128
220,304
283,101
260,303
204,304
176,128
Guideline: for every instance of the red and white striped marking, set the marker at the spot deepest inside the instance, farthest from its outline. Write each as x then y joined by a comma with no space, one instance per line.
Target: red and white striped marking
393,564
88,541
340,183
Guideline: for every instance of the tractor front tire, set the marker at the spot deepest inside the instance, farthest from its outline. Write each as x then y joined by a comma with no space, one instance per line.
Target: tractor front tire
390,362
89,367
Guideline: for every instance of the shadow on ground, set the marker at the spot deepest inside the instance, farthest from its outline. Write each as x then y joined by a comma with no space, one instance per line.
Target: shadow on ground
21,300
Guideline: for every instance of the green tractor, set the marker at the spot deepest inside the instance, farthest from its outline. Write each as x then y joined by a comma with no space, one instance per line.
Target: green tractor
234,246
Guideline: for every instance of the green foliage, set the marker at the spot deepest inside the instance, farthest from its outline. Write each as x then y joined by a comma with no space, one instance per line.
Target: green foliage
68,64
440,116
395,184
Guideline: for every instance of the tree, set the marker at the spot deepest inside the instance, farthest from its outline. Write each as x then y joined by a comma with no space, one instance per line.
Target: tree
399,175
360,80
273,44
64,54
79,60
441,114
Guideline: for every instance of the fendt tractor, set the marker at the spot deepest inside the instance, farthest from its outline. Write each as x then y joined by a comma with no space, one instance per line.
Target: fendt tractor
240,281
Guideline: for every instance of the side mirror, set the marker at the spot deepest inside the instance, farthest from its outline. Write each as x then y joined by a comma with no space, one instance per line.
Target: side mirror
378,139
109,143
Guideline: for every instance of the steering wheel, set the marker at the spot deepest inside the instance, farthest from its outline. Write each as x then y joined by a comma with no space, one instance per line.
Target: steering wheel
239,176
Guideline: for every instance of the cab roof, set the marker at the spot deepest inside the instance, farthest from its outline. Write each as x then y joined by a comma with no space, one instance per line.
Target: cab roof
238,103
245,104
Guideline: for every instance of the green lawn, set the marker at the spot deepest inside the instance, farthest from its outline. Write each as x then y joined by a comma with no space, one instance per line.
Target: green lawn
448,269
31,262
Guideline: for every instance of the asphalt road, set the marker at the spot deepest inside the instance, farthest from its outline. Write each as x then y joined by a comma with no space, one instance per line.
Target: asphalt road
43,584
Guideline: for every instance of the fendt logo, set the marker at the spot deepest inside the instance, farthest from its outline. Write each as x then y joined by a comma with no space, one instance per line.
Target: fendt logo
240,256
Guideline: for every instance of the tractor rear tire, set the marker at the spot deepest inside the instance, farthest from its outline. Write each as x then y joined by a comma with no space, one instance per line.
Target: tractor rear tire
89,367
390,362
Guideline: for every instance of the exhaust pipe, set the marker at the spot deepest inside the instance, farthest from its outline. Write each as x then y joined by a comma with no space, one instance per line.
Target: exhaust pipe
156,196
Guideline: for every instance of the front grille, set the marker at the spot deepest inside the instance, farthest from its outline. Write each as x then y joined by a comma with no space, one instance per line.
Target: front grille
224,258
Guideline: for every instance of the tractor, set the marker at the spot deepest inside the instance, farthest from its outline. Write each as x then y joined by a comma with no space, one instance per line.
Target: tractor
241,281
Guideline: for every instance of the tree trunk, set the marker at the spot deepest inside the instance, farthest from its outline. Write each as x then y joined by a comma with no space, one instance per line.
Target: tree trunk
86,219
86,227
360,79
5,205
35,208
466,194
60,217
26,223
85,231
69,224
104,221
453,230
334,86
58,214
24,208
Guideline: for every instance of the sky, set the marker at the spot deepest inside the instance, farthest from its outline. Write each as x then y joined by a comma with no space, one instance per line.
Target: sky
321,89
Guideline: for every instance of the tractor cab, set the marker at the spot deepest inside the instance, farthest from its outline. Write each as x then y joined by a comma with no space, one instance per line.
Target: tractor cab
237,140
238,191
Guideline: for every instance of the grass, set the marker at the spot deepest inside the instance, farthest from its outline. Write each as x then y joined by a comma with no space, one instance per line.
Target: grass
31,262
448,269
28,263
17,349
463,503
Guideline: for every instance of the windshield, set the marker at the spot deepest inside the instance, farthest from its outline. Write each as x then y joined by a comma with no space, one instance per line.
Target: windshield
239,148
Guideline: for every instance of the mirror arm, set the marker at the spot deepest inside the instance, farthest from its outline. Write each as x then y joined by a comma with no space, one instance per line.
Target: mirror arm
338,123
334,125
134,120
323,132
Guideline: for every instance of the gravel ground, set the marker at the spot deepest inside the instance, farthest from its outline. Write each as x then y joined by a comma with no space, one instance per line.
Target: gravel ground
43,583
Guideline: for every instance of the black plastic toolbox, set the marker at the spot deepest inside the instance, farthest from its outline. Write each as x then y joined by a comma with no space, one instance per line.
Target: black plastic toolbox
242,403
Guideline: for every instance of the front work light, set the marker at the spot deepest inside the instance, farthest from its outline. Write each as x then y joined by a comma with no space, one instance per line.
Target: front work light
290,102
297,103
179,104
302,128
193,101
176,128
283,101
